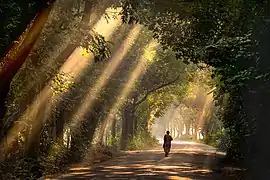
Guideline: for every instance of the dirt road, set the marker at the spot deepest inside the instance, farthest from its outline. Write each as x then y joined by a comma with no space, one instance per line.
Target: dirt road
186,161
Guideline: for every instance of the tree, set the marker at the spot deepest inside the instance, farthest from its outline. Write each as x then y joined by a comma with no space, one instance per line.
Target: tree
13,60
163,81
89,42
228,30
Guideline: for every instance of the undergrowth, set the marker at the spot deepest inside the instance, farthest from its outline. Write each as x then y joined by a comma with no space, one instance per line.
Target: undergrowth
143,140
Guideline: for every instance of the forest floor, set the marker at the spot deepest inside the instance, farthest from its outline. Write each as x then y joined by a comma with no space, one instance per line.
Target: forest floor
187,160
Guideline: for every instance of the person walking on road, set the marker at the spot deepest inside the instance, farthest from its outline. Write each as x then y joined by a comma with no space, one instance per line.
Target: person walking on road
167,143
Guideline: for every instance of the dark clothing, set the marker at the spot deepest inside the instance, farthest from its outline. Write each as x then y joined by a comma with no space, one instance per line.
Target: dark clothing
167,144
167,139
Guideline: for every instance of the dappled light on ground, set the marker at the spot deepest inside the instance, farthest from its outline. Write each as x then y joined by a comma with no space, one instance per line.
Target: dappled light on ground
181,164
80,169
82,82
177,178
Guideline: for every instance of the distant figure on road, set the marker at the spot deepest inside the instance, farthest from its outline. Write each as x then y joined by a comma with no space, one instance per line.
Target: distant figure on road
167,143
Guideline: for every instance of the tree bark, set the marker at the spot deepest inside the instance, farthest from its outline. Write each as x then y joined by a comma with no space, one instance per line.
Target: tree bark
34,138
123,141
187,128
127,125
60,122
102,133
34,144
15,58
195,132
114,128
27,14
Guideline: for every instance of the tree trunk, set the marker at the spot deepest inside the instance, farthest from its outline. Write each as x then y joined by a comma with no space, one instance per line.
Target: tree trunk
114,128
68,139
60,122
87,9
127,125
102,133
34,143
32,147
195,132
188,128
135,126
82,136
124,134
25,18
15,58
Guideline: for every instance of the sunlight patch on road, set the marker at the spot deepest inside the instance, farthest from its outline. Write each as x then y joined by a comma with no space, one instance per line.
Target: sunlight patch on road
178,178
122,173
80,169
79,173
172,167
116,167
142,166
165,172
183,142
147,174
203,171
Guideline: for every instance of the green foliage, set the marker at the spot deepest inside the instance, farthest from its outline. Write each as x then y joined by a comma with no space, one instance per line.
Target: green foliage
20,168
143,140
164,69
216,33
96,44
130,10
219,34
218,140
62,83
114,141
55,161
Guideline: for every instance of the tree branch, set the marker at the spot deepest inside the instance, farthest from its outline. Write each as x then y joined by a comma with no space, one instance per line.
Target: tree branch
211,91
155,89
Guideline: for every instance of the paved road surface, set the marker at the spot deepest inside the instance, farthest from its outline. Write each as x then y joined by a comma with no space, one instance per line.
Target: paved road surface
187,161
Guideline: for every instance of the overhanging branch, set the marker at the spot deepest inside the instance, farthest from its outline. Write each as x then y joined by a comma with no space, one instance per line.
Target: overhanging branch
155,89
211,91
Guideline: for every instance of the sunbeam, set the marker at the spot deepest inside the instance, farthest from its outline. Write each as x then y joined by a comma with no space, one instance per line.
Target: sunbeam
103,79
58,53
74,65
27,118
208,100
77,61
142,65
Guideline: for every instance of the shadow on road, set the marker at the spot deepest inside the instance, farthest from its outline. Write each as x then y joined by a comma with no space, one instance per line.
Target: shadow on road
187,161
